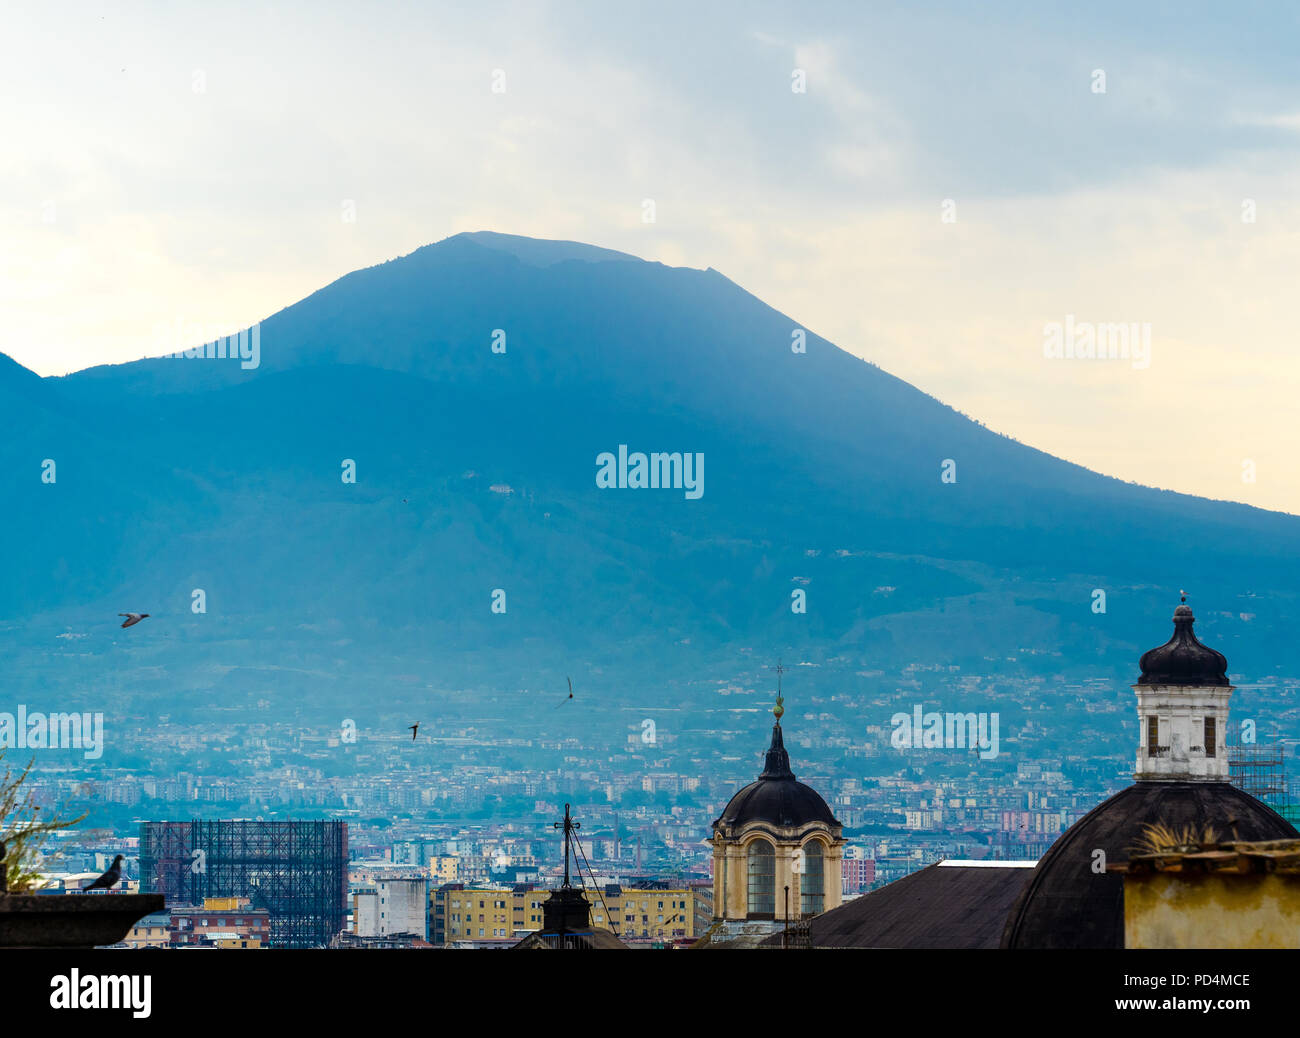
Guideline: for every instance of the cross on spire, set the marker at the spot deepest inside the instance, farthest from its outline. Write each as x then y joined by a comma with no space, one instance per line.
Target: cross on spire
569,826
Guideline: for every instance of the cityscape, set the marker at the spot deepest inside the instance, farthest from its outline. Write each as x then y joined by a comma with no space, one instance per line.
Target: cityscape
677,478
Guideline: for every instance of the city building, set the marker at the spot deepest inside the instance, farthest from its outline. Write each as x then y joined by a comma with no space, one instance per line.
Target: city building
153,931
397,905
221,922
857,871
464,916
647,912
295,871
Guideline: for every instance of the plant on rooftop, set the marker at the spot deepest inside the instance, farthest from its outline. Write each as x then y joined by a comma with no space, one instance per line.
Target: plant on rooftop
24,828
1160,838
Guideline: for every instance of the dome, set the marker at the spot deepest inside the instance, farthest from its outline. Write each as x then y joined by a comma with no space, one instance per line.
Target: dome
1183,660
776,798
1068,905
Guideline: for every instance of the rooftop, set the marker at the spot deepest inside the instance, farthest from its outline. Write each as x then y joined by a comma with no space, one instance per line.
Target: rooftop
1239,856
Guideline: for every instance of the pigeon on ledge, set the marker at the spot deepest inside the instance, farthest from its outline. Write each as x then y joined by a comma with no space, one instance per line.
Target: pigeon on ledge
110,878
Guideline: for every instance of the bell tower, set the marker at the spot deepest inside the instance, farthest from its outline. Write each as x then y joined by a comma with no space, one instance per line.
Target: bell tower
1182,702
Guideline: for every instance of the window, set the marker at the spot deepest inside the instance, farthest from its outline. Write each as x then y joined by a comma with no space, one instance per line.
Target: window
762,880
812,884
1153,736
1211,736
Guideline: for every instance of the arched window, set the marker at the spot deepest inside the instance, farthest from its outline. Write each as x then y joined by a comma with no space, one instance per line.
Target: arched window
762,880
812,884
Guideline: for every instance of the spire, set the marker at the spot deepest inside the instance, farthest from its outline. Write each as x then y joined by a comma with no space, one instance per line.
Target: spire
567,911
777,765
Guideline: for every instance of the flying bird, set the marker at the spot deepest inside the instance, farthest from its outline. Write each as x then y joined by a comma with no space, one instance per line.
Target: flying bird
110,878
415,730
133,618
563,701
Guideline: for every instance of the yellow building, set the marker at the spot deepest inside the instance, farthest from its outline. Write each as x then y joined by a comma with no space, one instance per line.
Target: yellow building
236,941
489,916
1229,895
444,869
150,932
644,913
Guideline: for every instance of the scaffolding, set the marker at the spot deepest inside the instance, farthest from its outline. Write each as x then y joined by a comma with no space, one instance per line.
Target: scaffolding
1259,770
296,871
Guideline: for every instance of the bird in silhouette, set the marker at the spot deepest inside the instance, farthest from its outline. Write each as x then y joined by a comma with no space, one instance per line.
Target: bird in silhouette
133,618
563,701
110,878
415,730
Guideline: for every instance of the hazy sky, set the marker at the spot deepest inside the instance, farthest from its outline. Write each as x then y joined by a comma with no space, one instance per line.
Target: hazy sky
191,164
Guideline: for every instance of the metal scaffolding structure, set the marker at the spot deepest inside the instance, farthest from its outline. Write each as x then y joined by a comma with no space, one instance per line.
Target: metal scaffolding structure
1259,770
297,871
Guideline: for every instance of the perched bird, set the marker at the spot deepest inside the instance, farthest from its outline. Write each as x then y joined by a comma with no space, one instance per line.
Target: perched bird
415,730
133,618
110,878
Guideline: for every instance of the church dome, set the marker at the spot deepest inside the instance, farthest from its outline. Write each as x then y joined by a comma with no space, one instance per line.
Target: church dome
1183,660
1066,904
776,798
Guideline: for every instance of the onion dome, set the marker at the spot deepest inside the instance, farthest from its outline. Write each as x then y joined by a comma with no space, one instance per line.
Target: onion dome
1183,660
776,798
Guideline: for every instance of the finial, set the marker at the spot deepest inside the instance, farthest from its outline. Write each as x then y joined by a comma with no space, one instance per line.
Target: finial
1183,594
779,709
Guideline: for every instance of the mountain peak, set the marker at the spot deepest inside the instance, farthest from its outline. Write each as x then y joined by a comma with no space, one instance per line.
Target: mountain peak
542,252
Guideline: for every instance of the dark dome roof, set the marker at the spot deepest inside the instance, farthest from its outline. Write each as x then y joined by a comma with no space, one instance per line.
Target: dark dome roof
1183,660
776,798
1067,905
